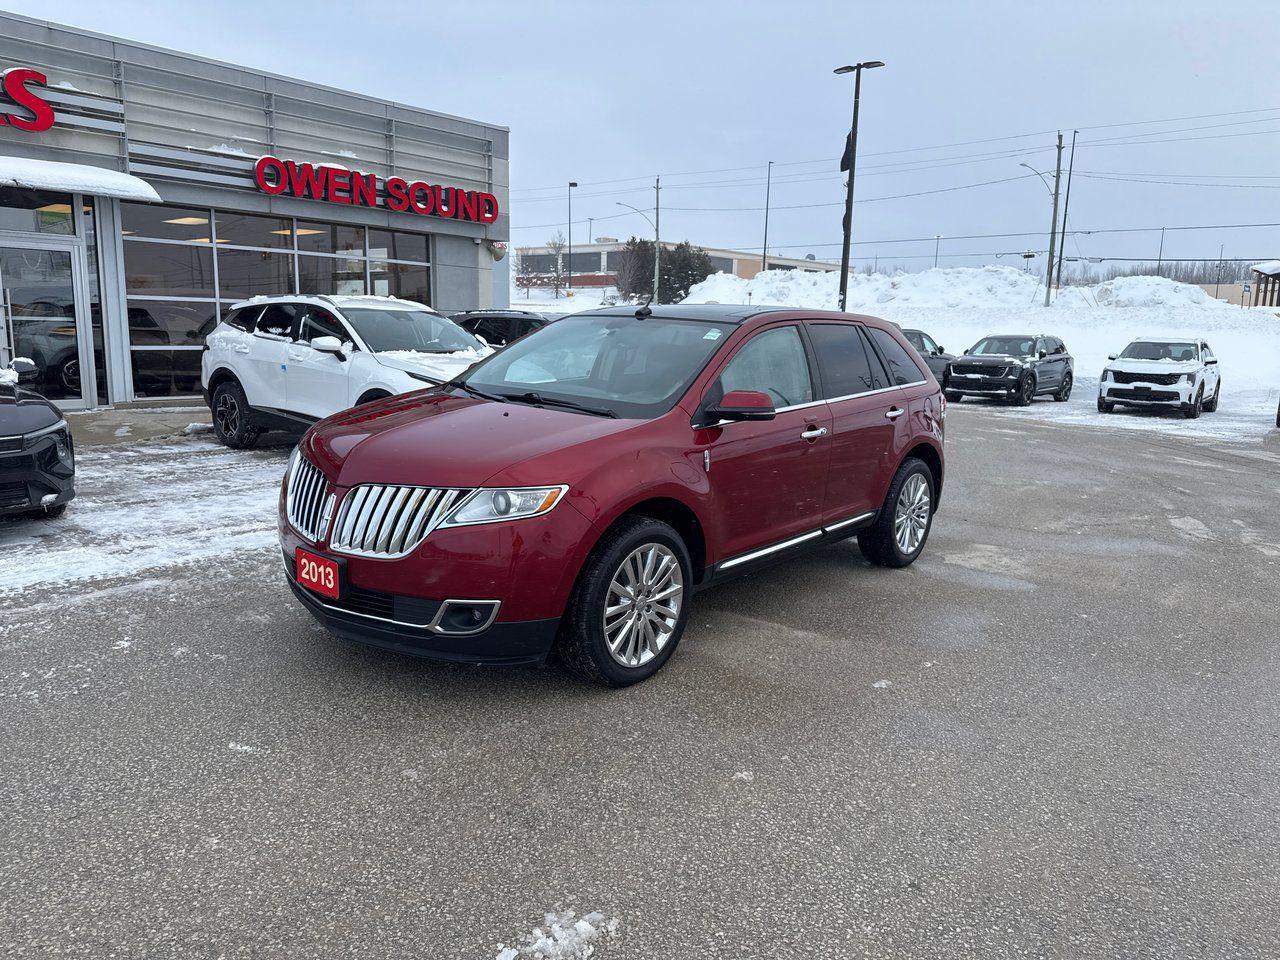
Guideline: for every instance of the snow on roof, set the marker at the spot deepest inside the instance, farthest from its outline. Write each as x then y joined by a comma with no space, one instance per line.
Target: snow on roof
1271,268
74,178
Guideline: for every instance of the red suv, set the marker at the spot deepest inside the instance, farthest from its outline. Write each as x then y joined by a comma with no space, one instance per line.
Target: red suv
574,491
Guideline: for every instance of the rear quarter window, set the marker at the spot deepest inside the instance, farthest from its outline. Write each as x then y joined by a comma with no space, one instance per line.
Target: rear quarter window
902,369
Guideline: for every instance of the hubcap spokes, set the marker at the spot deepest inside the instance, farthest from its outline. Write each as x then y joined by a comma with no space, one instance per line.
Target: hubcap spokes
911,516
642,606
227,414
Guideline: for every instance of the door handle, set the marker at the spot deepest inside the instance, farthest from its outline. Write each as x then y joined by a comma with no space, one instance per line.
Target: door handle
813,433
893,413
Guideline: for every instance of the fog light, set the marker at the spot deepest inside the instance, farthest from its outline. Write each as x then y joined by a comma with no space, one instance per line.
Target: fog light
465,616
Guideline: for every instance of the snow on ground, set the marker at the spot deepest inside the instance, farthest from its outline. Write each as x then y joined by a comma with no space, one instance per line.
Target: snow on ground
562,936
544,300
958,306
144,508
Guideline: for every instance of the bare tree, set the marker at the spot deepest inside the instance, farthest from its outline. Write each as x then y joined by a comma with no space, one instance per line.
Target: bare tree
526,276
555,247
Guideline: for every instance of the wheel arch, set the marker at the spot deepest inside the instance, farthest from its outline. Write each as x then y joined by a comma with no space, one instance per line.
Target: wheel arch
932,458
372,394
220,376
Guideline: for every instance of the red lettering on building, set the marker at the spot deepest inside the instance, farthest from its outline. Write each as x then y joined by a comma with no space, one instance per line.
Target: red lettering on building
16,83
307,181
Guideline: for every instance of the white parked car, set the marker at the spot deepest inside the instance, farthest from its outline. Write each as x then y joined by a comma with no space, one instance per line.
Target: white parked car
289,361
1155,371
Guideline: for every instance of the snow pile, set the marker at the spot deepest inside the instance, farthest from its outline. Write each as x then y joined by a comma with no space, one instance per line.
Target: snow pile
562,937
8,378
954,287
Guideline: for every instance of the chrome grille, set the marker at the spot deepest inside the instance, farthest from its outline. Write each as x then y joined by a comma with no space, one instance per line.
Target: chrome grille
307,501
389,521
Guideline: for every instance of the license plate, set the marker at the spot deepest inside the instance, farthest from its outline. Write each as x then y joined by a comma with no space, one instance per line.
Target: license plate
320,574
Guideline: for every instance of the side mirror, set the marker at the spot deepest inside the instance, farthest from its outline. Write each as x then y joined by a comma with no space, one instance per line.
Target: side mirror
1112,356
939,349
1213,360
1042,354
22,365
744,405
329,345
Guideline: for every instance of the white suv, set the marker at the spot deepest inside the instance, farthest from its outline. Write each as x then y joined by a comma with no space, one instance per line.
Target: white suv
289,361
1155,371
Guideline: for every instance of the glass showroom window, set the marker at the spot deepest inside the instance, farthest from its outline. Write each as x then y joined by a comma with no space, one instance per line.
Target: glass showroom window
186,266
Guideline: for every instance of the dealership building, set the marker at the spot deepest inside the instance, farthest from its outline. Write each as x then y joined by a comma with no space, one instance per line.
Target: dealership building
143,191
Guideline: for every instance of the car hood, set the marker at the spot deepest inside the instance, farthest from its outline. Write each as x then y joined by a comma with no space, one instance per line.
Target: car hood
437,366
439,440
990,359
1154,366
23,412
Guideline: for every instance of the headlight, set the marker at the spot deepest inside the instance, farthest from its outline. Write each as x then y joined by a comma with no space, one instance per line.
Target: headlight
1189,377
492,505
1106,374
62,442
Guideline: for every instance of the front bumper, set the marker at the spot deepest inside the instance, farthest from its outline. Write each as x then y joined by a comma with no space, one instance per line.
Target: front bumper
35,477
509,643
1147,394
973,385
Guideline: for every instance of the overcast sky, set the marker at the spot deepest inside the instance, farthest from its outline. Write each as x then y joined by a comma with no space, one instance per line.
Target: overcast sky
708,92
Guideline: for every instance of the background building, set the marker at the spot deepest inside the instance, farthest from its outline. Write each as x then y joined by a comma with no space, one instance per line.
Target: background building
592,268
133,209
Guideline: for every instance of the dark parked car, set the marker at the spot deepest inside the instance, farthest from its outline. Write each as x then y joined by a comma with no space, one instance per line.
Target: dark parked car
935,356
37,460
571,492
500,327
1019,368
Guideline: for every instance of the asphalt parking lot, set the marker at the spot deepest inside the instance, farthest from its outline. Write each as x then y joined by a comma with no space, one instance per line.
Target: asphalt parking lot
1056,735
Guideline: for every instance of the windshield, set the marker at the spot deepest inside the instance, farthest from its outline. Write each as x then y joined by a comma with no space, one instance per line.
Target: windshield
1164,350
1004,346
403,328
637,369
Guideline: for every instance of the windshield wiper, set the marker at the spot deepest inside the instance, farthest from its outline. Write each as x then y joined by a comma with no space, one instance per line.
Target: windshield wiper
539,400
477,393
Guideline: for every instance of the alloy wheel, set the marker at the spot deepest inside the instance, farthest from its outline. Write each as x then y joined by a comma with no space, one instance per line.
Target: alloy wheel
227,414
642,606
911,515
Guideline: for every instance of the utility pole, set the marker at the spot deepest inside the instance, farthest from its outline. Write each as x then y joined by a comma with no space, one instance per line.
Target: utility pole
768,184
851,156
937,241
591,229
1066,203
569,263
1053,227
657,237
1160,255
1217,274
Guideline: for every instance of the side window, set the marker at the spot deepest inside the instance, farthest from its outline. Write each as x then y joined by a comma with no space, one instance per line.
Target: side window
902,369
493,329
1058,346
843,361
279,320
321,323
915,338
243,318
524,327
1040,345
773,362
929,345
1207,351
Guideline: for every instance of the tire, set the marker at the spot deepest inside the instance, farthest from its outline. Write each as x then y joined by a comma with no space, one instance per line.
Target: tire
634,545
1064,392
1278,416
1211,405
233,421
1026,391
953,396
879,542
1105,406
1192,410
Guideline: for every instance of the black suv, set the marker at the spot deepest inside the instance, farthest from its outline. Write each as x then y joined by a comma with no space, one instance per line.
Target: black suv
935,356
500,327
37,460
1018,368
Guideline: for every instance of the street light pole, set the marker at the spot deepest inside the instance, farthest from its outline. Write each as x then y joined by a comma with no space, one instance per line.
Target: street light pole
937,242
657,239
849,162
569,265
768,185
653,224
